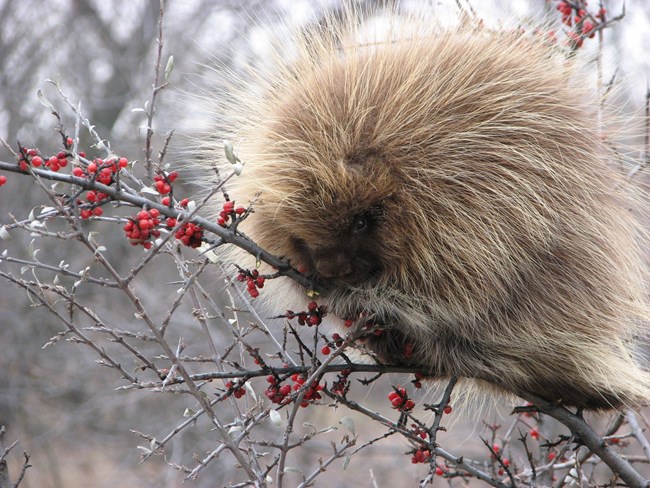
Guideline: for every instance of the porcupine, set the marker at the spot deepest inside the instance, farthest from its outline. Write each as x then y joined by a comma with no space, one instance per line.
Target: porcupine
453,185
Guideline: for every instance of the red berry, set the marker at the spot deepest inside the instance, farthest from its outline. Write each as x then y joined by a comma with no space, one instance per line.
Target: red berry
69,141
184,202
122,162
314,320
37,161
506,462
32,152
496,448
228,206
78,172
439,472
165,201
326,350
172,176
240,210
92,168
3,180
534,433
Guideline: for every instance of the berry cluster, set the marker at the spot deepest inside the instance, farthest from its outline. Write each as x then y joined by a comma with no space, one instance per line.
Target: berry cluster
102,171
142,228
585,24
313,316
166,201
95,198
400,400
419,431
421,456
342,383
229,211
34,158
279,393
236,389
417,382
163,182
276,392
337,341
254,280
190,234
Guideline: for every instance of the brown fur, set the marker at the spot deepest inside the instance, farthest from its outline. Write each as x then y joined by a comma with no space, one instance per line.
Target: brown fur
498,241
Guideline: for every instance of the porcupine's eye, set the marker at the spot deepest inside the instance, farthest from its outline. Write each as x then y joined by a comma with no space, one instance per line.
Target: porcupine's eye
361,224
365,221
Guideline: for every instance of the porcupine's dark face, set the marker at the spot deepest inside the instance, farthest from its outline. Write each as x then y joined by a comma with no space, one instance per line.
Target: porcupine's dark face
329,218
347,254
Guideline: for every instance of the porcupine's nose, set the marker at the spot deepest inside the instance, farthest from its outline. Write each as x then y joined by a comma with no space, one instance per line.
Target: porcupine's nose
332,264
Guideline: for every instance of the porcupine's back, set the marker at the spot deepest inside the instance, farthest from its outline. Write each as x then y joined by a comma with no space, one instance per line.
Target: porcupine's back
499,244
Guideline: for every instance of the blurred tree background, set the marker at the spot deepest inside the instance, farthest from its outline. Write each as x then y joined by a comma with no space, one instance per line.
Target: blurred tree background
60,405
